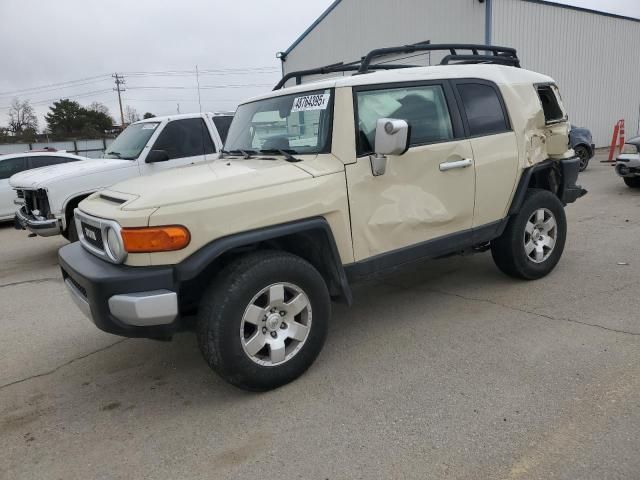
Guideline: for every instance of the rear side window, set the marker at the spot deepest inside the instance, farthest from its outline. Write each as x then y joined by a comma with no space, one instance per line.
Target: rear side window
551,107
12,166
423,107
185,138
222,125
45,161
483,109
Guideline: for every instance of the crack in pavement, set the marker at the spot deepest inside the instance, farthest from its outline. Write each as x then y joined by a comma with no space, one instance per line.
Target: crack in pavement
54,370
541,315
521,310
24,282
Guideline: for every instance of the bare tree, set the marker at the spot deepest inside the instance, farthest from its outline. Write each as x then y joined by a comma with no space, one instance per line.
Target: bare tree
99,107
22,117
131,114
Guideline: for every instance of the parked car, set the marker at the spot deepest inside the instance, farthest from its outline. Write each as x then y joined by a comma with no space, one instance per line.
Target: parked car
14,163
582,143
321,185
50,195
628,163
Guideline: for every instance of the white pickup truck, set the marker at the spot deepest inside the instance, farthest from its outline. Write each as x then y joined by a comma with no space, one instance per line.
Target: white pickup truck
47,197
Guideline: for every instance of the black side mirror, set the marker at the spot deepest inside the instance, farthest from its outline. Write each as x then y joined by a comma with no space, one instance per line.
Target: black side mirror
157,156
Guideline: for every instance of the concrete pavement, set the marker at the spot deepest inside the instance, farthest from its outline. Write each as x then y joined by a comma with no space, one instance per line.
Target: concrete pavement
446,370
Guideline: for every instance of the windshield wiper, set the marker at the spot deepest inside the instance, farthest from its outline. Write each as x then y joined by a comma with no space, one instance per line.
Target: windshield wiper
285,153
244,152
117,154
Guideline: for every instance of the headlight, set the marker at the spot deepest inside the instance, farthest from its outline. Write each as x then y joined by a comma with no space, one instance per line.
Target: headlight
114,245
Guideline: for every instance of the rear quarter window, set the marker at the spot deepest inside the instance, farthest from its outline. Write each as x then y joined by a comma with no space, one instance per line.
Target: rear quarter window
551,106
483,109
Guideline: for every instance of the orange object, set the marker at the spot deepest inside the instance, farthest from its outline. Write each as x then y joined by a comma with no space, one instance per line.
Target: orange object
155,239
618,138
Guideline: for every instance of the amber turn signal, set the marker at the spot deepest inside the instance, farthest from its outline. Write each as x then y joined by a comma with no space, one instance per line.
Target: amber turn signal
155,239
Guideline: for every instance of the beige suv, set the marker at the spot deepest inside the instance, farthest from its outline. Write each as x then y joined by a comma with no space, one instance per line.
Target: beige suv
321,185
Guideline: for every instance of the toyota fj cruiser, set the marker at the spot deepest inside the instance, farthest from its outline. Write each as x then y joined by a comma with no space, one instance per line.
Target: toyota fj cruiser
320,185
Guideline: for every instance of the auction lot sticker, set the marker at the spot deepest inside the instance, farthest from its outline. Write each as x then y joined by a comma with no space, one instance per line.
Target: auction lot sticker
310,102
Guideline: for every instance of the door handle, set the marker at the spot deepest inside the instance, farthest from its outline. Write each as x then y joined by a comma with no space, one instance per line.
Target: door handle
464,163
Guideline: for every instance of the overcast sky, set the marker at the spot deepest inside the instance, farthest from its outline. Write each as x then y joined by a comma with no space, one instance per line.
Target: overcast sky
82,42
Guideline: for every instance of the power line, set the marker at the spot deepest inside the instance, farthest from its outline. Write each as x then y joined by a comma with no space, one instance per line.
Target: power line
209,87
103,77
53,89
80,95
67,84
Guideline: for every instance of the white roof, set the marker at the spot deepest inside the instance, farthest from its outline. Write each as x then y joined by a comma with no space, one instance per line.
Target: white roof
499,74
41,154
179,116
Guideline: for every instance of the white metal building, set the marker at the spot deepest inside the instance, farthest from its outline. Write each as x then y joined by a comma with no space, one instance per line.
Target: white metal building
591,55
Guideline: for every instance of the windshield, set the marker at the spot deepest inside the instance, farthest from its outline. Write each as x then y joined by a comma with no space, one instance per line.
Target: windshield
298,123
131,141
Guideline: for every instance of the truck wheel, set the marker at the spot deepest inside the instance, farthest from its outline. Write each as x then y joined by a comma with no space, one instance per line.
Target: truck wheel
632,182
263,320
531,245
583,154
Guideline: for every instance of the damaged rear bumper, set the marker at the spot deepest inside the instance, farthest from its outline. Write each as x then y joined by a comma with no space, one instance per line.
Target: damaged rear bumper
570,191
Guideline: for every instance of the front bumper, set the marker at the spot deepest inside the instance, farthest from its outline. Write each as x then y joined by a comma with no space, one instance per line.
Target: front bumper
628,165
44,228
570,191
126,301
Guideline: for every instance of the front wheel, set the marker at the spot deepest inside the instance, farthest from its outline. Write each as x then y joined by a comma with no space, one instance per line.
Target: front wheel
632,182
264,320
532,244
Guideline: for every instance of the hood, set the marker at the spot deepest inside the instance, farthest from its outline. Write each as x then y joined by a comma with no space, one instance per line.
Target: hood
41,177
207,180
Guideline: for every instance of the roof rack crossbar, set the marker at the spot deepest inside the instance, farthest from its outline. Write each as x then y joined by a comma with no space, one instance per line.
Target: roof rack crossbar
479,54
505,52
335,68
471,59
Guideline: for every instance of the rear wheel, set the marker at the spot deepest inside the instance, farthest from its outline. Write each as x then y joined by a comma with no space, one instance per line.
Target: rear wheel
632,182
532,244
583,154
264,320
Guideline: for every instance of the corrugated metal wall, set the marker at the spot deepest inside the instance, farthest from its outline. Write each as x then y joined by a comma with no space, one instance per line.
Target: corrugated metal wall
593,58
354,27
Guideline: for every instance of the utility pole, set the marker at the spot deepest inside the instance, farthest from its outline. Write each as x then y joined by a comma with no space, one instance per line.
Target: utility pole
119,79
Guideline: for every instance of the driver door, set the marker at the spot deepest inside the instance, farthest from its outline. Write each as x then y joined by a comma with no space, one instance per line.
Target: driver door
186,141
420,197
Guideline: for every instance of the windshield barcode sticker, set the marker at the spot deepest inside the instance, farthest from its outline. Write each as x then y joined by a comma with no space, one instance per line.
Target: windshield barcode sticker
310,102
149,126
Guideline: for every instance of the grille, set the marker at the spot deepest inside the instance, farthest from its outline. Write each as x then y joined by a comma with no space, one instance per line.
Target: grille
80,288
92,235
35,200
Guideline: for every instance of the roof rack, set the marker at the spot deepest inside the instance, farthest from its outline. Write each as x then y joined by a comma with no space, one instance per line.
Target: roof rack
472,54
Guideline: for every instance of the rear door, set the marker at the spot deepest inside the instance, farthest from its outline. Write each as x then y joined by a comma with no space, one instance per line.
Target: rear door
425,194
9,167
494,145
186,141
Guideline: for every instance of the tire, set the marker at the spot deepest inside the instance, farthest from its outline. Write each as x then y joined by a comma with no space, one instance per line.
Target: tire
72,233
583,154
512,250
235,319
632,182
